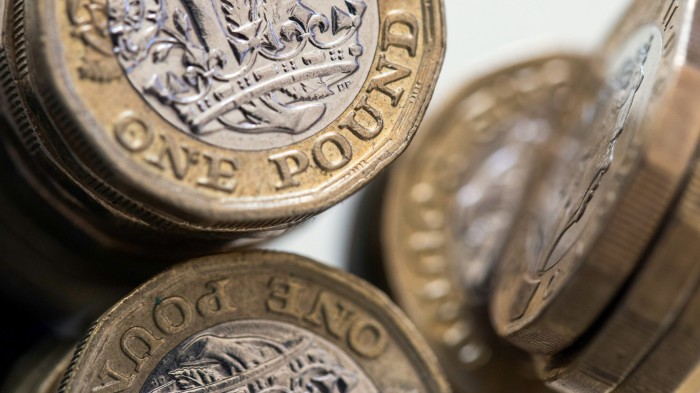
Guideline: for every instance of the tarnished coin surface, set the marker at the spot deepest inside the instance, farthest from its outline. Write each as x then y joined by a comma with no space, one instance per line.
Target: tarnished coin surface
225,115
259,322
451,203
590,221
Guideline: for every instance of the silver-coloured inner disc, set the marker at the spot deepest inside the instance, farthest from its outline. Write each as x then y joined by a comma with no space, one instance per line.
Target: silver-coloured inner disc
246,74
257,356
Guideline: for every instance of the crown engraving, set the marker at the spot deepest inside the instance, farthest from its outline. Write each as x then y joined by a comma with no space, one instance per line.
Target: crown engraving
249,66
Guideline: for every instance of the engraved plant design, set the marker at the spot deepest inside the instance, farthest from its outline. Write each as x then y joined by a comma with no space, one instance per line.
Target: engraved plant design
89,18
255,364
249,66
597,160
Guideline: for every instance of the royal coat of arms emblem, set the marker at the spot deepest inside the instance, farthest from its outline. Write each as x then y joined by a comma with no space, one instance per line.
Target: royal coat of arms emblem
248,66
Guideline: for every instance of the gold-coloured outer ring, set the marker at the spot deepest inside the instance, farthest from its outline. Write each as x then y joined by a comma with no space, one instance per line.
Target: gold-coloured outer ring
417,244
648,194
692,383
48,177
102,343
26,221
187,209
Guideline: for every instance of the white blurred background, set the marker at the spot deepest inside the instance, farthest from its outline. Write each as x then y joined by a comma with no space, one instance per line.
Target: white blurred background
481,36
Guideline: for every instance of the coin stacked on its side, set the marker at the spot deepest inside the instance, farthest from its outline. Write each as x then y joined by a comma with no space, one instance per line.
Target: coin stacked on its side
136,135
543,231
451,204
192,121
601,276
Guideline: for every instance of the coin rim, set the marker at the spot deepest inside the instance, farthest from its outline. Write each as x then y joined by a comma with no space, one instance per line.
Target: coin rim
206,213
622,332
630,225
354,288
400,177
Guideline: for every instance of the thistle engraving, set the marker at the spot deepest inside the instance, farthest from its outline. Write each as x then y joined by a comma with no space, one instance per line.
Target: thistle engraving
255,360
248,66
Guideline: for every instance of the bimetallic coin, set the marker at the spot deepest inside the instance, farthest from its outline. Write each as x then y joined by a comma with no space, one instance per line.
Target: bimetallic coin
39,187
48,258
215,117
590,221
451,203
254,322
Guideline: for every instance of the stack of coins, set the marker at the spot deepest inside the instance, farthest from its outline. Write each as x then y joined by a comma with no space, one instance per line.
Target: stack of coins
463,183
540,233
254,322
553,204
197,121
250,321
137,135
599,279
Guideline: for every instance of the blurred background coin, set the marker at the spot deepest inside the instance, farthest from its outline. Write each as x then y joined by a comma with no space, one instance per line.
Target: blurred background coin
59,217
589,223
210,119
451,203
649,338
481,36
258,321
